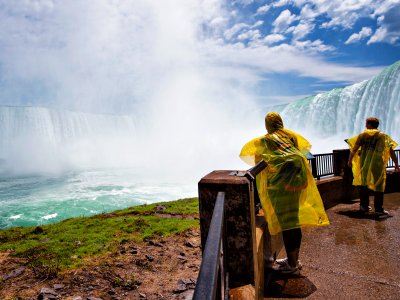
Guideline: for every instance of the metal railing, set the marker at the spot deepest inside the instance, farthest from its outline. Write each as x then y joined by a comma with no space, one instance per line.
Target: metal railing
322,165
212,281
390,162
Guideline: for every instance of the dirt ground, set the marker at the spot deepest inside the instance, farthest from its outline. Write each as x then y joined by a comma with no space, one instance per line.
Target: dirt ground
162,268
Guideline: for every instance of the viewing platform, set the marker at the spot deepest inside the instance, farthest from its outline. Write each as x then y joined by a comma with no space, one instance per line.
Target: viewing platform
356,257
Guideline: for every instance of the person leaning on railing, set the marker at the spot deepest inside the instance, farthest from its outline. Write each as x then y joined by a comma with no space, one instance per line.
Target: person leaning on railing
287,190
369,154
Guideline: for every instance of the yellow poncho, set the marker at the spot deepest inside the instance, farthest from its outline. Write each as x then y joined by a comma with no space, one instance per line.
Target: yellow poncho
369,163
287,190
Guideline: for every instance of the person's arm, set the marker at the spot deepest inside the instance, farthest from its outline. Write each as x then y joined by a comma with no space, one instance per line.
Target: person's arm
352,153
395,160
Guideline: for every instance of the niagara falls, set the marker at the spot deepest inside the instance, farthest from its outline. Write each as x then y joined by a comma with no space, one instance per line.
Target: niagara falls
199,149
94,120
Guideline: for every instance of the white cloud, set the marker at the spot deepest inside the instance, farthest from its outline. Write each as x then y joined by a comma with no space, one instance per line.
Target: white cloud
289,59
356,37
273,38
339,13
231,32
308,13
283,21
263,9
257,24
249,35
389,30
301,30
312,46
281,3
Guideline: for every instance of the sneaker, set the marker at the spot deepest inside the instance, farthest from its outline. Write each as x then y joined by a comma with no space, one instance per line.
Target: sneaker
283,261
365,209
286,269
382,213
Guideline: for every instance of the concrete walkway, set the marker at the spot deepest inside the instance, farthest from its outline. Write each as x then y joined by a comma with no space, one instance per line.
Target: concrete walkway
356,257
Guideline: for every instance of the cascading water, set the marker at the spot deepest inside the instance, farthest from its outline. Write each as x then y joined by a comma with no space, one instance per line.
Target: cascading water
41,139
341,113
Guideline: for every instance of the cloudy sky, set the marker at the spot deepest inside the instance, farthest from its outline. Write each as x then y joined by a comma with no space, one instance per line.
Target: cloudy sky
303,47
108,51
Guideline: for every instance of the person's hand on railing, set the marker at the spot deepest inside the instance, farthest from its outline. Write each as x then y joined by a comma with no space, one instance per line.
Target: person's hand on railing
350,163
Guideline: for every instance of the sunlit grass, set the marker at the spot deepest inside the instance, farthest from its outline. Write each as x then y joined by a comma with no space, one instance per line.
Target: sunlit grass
69,242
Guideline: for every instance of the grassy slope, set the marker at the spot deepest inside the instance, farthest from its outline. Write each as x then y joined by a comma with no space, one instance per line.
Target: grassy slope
66,244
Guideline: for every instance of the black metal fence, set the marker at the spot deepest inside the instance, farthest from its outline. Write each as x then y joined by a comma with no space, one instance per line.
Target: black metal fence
324,164
212,281
390,162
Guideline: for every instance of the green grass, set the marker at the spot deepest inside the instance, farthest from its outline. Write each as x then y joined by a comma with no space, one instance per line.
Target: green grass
66,244
187,206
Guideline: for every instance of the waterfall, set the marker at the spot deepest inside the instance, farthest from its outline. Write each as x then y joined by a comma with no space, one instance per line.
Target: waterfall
341,112
37,138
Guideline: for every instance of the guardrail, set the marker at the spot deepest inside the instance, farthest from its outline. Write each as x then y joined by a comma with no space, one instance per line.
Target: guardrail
324,164
390,162
212,281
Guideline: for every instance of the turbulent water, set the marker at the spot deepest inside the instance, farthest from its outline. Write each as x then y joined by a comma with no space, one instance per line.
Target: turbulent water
92,161
56,164
330,117
37,199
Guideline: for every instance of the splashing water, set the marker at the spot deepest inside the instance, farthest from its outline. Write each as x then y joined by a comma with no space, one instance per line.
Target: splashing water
329,118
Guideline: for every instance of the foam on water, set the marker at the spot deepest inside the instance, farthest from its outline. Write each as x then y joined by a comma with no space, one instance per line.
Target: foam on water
38,199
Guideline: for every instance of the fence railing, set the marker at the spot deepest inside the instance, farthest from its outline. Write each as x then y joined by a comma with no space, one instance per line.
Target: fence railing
390,162
212,281
324,164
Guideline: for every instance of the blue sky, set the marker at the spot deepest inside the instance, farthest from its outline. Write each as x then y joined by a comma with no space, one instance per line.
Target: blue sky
117,55
305,47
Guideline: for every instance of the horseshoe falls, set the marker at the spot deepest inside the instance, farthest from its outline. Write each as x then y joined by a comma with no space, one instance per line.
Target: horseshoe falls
328,118
41,139
56,164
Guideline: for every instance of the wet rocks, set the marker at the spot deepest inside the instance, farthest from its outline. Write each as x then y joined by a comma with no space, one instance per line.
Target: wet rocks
58,286
14,273
47,294
184,285
190,244
150,258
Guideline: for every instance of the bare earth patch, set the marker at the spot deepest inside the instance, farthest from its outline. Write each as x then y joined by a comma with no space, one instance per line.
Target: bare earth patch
160,268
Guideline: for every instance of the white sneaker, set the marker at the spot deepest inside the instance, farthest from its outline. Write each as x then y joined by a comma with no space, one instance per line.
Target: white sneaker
382,213
365,209
283,261
286,269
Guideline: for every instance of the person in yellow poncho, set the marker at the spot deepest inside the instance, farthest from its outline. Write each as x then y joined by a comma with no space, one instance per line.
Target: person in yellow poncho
287,190
369,154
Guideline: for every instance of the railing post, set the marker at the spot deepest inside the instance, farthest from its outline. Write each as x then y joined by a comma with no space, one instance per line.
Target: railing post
212,265
340,168
314,171
239,209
